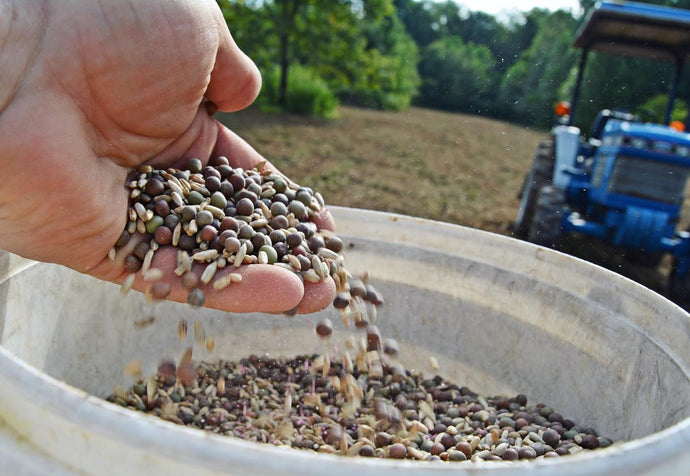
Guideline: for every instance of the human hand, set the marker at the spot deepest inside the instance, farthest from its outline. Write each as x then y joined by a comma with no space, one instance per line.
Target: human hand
96,89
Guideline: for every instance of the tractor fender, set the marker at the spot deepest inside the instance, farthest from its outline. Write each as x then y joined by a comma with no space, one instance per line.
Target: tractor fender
642,228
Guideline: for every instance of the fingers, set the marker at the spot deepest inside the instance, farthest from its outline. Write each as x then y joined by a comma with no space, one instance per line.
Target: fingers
235,79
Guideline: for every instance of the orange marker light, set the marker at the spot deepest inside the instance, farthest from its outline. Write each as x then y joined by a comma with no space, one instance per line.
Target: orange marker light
562,108
677,125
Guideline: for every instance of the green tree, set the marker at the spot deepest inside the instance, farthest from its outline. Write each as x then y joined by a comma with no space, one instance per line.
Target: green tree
531,87
457,76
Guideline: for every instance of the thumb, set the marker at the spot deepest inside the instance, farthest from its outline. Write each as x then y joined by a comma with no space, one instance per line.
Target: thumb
235,80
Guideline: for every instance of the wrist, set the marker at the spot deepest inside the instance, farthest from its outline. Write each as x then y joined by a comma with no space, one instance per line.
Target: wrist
22,24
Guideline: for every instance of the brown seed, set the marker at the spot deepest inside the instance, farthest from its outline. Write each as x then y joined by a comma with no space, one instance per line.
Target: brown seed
208,233
141,250
132,263
465,448
382,439
373,338
162,208
123,239
163,235
166,369
324,328
154,187
341,300
190,280
160,289
397,451
186,371
210,344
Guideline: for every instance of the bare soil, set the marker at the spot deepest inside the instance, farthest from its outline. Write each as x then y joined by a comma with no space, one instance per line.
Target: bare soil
455,168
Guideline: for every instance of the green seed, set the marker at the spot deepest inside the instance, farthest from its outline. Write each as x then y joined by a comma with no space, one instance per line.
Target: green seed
154,223
271,253
218,200
195,198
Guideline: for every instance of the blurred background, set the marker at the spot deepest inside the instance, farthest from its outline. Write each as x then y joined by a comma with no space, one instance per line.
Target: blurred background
430,108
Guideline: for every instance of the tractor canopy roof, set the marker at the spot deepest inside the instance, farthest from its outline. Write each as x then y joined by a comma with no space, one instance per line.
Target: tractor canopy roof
637,29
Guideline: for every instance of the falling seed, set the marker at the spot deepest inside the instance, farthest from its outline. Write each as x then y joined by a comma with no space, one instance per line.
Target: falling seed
144,322
199,333
153,274
181,330
127,284
324,327
433,363
210,344
133,369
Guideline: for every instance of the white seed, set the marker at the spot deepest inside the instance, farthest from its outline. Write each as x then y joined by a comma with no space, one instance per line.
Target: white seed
140,209
177,198
132,214
294,262
175,188
153,274
147,262
239,257
112,253
209,272
215,211
191,228
135,193
262,257
326,253
127,284
207,255
222,283
311,276
433,363
141,226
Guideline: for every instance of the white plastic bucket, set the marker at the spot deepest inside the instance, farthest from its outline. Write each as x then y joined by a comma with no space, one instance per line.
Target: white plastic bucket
501,316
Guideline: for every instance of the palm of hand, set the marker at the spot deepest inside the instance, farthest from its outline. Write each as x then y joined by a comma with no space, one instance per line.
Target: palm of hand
107,90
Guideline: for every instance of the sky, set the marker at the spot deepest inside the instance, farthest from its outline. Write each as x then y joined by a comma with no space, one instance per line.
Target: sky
494,7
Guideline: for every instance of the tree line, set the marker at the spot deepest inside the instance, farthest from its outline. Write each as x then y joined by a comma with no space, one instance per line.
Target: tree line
390,54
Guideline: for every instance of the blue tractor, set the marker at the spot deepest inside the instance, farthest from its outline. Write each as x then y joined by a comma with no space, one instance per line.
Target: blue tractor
625,183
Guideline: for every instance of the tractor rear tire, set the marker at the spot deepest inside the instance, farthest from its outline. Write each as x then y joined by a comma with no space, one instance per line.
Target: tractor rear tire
546,228
539,175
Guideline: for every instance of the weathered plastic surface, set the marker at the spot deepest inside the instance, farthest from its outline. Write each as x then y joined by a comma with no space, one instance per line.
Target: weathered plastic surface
500,315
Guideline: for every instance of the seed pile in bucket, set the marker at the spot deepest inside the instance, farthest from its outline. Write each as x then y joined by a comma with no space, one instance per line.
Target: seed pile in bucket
226,217
367,406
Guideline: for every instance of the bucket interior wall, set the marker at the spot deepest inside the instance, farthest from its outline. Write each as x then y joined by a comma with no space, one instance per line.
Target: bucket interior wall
500,316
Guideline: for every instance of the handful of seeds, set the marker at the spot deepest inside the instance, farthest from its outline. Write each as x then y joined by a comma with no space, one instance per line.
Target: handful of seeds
222,216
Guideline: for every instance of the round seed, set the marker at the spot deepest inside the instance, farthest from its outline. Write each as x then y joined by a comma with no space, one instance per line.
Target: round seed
213,184
324,327
298,209
154,187
160,289
132,263
203,218
163,235
190,280
334,243
186,242
271,253
341,300
196,297
245,207
373,338
397,451
218,199
208,233
123,239
154,223
194,165
195,198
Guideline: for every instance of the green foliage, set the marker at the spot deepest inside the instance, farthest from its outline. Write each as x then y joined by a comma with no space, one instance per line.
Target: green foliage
307,93
360,49
532,86
654,109
457,76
